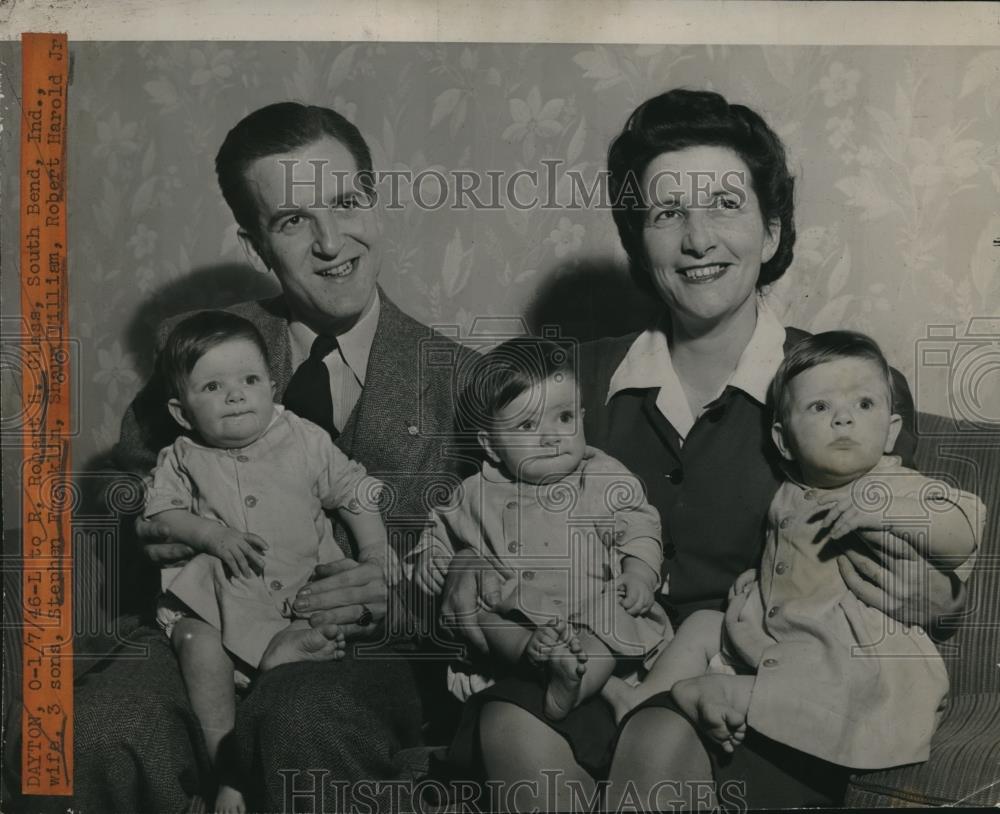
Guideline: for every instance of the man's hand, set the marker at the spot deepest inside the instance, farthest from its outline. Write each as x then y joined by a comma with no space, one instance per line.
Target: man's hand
158,545
896,580
470,578
241,552
345,593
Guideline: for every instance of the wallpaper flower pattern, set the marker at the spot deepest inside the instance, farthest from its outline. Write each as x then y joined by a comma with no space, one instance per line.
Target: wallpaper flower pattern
896,152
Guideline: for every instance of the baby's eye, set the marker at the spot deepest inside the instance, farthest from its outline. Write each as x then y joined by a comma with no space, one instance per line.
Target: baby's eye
866,404
566,417
817,407
211,387
252,378
526,426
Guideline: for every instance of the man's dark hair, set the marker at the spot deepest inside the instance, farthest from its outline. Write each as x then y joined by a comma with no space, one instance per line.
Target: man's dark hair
815,350
193,337
508,370
276,129
679,119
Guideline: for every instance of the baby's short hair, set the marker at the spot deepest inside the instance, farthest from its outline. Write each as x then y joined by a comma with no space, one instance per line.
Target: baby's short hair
502,374
815,350
194,336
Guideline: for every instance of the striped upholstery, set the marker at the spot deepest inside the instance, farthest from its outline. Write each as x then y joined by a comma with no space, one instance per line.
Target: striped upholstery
965,754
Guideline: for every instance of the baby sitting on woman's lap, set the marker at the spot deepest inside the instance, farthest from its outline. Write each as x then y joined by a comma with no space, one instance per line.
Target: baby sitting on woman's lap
571,523
803,660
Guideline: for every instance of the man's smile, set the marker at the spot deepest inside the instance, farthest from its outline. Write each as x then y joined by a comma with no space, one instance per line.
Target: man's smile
340,271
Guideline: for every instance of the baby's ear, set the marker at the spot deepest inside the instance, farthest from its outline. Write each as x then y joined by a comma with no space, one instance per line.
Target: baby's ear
778,436
177,412
895,425
483,438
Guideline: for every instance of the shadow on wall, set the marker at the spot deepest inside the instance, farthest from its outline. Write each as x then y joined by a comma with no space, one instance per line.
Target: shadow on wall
589,299
208,287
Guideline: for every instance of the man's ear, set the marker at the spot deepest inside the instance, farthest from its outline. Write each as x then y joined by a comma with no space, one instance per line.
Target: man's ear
177,412
483,438
895,425
772,238
257,260
778,436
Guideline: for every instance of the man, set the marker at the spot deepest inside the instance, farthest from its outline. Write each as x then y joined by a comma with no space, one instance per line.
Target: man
295,179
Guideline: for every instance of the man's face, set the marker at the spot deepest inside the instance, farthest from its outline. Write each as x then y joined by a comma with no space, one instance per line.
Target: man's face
325,257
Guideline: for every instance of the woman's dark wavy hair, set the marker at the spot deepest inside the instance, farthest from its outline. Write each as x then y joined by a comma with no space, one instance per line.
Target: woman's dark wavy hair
688,118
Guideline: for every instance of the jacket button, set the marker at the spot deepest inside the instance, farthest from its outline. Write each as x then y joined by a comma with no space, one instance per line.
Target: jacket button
772,612
250,500
511,504
784,524
276,585
780,568
242,459
770,662
810,494
620,534
512,547
675,476
529,575
412,429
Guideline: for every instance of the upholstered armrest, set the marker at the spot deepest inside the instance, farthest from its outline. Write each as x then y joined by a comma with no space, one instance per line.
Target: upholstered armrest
964,766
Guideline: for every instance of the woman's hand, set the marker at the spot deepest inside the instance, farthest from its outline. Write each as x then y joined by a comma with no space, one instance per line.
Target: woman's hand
346,594
743,583
159,546
470,578
896,580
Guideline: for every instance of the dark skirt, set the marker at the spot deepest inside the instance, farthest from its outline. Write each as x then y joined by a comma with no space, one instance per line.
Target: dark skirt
589,729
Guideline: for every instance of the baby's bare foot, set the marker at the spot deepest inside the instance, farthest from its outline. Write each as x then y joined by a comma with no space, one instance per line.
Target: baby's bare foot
717,705
544,640
567,666
229,801
302,643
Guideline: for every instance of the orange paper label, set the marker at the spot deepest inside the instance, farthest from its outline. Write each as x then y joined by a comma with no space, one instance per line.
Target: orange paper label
47,656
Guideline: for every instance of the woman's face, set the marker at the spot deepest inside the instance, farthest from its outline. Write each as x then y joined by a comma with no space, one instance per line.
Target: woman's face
704,235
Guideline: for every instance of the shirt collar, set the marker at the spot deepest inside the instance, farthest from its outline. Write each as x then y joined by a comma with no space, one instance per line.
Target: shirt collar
647,364
354,345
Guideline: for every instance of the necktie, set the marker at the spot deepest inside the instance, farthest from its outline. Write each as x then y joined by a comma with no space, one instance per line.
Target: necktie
308,391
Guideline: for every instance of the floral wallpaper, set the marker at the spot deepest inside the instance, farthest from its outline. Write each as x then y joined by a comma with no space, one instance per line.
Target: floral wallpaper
896,152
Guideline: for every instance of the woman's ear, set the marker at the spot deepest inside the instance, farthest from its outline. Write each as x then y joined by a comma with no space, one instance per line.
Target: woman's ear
895,425
778,436
257,260
483,438
177,412
772,239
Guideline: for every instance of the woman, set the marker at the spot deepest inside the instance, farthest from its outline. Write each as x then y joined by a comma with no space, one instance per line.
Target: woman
706,216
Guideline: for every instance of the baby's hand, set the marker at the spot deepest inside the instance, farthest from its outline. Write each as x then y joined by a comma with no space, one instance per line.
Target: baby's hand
386,559
844,516
743,583
635,593
240,551
431,570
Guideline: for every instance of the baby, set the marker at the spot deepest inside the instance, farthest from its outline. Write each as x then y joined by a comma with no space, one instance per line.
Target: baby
571,523
247,489
803,660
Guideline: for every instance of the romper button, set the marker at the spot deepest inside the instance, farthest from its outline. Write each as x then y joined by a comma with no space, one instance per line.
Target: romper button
772,612
176,502
675,476
810,494
619,534
784,523
556,601
412,429
780,568
242,459
276,585
529,575
512,547
250,500
353,504
511,504
770,662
